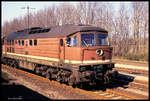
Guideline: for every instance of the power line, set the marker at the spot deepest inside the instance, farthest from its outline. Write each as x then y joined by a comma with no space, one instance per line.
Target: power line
28,13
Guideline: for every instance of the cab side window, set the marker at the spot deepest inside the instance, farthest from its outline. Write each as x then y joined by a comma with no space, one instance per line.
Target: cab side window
35,42
30,42
75,41
19,42
61,42
15,41
22,42
9,42
12,42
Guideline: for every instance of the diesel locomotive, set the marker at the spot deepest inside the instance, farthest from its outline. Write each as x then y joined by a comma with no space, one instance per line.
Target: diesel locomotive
72,54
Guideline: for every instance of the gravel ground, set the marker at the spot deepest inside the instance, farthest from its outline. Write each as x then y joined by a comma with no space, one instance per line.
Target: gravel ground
131,63
46,88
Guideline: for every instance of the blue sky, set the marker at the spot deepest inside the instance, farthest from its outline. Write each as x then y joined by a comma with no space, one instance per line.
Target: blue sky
11,10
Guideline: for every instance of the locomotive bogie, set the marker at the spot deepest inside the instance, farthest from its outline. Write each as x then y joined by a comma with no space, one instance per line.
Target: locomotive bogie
101,73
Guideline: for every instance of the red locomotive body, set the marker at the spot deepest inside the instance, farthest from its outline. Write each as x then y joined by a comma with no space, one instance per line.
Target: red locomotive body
73,54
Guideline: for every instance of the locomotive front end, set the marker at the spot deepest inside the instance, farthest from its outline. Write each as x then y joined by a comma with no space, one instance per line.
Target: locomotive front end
96,67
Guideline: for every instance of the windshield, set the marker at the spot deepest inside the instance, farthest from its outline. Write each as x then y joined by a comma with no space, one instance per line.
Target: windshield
102,39
88,39
94,39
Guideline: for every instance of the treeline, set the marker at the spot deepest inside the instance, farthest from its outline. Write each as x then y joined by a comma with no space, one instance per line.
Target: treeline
127,25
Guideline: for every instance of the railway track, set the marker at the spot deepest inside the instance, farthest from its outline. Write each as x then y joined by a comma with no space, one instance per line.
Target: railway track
124,89
76,93
133,71
134,77
135,85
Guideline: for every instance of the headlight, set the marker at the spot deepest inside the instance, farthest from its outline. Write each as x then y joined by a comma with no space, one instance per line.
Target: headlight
99,52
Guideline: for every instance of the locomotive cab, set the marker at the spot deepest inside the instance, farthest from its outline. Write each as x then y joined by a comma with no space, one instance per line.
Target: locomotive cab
92,47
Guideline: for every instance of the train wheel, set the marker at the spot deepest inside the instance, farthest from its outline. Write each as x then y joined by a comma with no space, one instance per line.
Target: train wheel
71,82
107,77
4,61
106,80
80,85
37,70
58,79
9,62
48,76
54,76
43,73
15,65
12,63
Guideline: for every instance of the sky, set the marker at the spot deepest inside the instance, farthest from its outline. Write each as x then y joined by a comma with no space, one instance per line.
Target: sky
11,10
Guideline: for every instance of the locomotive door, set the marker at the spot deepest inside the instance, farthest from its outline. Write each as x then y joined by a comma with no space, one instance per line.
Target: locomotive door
61,52
26,47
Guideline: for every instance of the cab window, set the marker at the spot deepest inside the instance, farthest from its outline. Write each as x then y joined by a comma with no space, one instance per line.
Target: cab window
61,42
88,40
12,42
35,42
15,41
9,42
102,39
30,42
22,42
73,41
19,42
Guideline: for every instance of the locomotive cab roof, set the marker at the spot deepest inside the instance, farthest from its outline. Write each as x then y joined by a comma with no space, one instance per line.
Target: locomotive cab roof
56,31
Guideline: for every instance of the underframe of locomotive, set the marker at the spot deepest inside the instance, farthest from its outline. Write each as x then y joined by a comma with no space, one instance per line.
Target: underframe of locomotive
88,74
97,74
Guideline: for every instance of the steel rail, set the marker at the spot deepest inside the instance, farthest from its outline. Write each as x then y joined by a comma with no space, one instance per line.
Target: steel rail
133,71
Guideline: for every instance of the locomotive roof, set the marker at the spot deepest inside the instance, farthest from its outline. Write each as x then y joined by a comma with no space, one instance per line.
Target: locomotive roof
57,31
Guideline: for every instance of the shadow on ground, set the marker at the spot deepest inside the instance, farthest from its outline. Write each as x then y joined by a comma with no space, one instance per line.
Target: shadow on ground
12,91
120,81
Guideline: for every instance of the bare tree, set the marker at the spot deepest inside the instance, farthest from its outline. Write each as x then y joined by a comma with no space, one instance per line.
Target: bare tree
137,15
5,29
